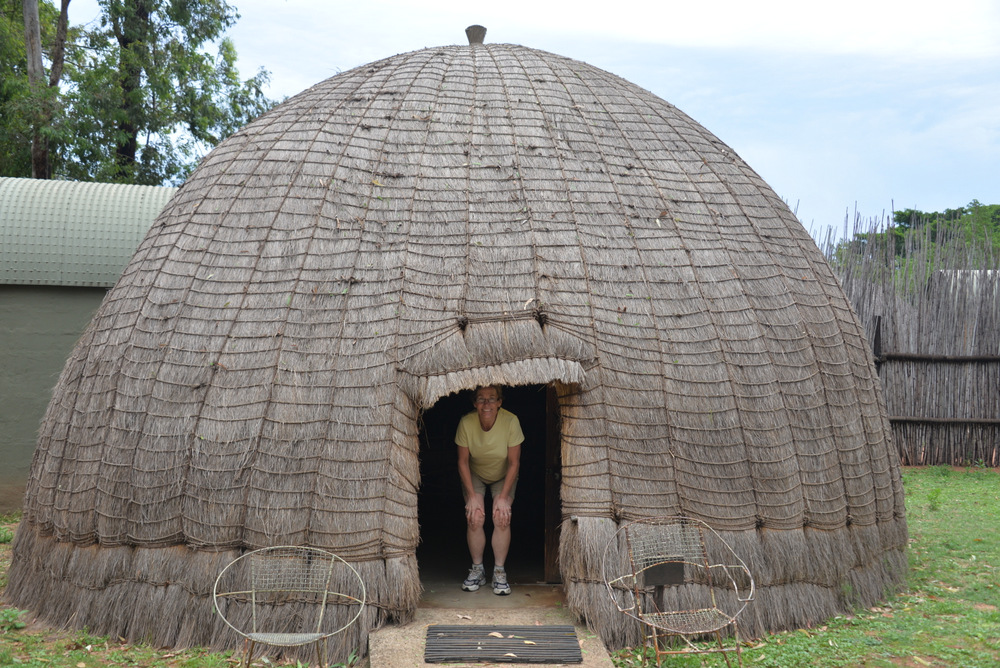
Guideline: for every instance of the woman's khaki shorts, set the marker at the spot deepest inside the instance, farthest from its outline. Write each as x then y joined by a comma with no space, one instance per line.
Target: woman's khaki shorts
496,488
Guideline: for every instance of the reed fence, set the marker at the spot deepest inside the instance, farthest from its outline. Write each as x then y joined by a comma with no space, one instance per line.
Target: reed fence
931,310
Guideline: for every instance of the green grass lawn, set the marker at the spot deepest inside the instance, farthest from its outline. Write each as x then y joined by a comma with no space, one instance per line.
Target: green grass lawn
946,615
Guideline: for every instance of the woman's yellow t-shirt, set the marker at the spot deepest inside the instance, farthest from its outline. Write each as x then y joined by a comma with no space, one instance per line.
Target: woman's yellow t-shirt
488,449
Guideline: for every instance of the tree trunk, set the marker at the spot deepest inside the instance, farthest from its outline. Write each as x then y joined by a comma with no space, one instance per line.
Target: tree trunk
36,79
59,48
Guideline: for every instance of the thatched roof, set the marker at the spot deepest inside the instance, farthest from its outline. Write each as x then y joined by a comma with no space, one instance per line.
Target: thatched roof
412,228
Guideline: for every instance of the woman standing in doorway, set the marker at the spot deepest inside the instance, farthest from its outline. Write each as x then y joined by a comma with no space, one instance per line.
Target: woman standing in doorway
489,456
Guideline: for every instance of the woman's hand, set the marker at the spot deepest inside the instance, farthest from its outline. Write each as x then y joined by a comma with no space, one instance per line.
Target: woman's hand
501,512
475,511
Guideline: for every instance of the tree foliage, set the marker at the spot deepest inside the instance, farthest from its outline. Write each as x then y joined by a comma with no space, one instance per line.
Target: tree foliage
969,235
974,223
147,91
21,105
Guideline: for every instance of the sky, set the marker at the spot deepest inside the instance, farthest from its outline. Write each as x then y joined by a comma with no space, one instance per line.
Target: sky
849,109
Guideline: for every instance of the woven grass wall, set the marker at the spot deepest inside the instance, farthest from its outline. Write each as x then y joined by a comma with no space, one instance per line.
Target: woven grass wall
415,227
931,310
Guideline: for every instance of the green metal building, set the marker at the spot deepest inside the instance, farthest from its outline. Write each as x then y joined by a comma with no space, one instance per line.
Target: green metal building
62,245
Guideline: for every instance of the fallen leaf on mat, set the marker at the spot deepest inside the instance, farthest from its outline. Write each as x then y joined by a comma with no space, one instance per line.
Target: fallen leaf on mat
495,634
530,642
511,654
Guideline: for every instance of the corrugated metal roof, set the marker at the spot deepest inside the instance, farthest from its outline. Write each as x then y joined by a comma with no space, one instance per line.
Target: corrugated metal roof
71,233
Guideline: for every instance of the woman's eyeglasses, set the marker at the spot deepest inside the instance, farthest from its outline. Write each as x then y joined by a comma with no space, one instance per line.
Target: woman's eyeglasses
485,400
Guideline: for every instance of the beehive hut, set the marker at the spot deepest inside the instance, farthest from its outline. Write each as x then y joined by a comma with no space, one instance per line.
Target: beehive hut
336,271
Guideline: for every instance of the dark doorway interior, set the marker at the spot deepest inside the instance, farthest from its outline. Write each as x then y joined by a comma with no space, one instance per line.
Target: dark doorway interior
442,552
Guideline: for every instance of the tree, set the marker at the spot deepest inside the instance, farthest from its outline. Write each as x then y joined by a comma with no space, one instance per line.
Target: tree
151,97
975,222
972,231
42,87
144,94
28,109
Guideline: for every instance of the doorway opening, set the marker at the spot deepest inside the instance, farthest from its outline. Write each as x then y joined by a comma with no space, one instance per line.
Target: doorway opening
536,513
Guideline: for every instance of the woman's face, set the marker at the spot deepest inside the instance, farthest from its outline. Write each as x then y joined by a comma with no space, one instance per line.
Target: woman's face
487,404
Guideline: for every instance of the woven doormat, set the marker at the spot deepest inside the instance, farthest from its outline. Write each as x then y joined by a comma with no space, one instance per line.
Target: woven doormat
499,644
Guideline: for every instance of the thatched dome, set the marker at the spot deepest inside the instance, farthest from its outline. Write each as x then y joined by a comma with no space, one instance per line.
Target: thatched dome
411,228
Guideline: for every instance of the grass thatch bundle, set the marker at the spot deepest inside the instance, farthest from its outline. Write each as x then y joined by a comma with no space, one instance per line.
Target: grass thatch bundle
413,228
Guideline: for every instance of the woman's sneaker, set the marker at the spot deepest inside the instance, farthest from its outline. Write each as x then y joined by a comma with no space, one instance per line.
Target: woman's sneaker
476,578
500,586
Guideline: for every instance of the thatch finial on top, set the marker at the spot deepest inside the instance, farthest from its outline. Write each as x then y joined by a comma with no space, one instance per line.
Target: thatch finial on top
476,34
